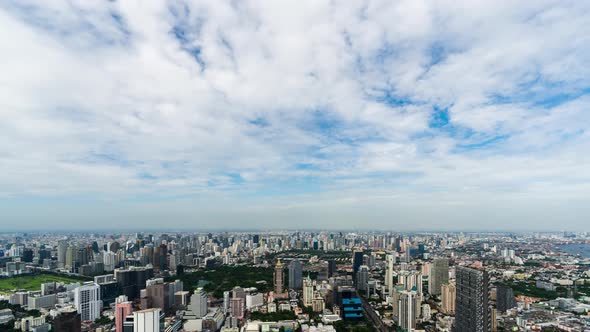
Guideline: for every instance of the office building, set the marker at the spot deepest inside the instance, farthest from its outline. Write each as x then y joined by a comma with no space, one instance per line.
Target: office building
236,307
295,274
198,305
357,261
149,320
448,295
472,312
133,280
123,308
68,321
362,277
87,301
439,275
504,298
389,273
279,278
408,304
307,292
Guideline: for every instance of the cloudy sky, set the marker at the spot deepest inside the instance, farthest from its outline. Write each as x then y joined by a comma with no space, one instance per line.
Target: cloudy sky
396,115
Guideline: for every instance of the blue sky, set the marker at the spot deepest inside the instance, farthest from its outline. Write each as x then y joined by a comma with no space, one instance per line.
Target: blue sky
458,115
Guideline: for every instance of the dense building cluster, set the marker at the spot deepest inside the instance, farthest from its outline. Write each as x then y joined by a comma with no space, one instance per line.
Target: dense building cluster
294,281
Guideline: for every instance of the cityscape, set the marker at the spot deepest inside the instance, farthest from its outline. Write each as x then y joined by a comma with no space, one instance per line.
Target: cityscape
316,281
294,166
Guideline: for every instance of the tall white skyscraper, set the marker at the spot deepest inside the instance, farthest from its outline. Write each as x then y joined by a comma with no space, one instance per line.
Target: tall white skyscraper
389,273
147,320
307,292
199,303
88,302
408,304
225,302
109,260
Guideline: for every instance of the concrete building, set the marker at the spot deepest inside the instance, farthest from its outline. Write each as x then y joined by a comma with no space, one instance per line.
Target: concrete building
439,275
236,307
279,278
408,303
198,305
295,274
123,308
87,301
472,312
149,320
448,295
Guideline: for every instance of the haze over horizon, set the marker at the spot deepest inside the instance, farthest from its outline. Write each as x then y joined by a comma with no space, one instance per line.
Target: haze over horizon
407,115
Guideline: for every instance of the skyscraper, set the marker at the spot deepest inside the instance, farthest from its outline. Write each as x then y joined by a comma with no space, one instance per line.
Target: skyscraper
62,247
390,259
68,321
132,280
307,292
448,296
362,277
147,320
295,274
123,308
472,312
408,305
332,267
504,298
87,301
236,307
279,278
198,303
357,261
439,275
225,302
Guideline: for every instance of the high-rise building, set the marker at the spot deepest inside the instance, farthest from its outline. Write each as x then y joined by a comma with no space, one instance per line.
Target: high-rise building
439,275
362,278
157,295
68,321
123,308
505,298
279,278
87,301
148,320
357,261
332,268
236,307
389,273
472,312
72,258
307,292
295,274
133,280
411,280
408,303
62,247
225,302
448,295
198,304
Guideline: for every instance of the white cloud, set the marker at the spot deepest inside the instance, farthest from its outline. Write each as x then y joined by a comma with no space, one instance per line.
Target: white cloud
222,100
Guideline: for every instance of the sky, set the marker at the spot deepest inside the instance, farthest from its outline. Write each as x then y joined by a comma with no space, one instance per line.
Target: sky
386,115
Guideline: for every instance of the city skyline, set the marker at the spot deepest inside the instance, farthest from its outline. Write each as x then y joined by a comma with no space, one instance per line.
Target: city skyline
405,116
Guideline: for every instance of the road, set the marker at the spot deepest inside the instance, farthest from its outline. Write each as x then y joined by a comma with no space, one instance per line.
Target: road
373,317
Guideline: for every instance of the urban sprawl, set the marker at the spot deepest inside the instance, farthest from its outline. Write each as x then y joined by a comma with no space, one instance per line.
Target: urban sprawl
316,281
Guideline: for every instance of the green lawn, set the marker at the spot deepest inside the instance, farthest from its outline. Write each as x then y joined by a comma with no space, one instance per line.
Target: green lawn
31,282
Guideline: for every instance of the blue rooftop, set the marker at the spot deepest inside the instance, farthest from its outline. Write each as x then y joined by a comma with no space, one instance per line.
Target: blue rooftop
354,300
